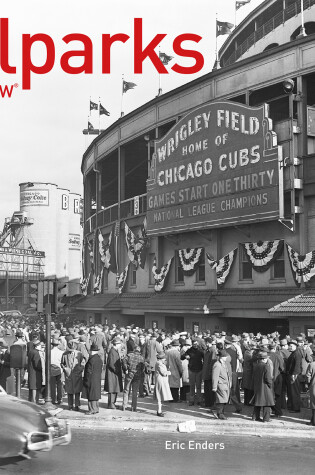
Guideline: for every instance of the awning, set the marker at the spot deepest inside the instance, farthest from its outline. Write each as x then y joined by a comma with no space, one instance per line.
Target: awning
94,302
302,305
180,302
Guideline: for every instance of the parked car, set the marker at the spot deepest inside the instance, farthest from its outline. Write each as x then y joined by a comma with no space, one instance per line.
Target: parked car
10,313
26,427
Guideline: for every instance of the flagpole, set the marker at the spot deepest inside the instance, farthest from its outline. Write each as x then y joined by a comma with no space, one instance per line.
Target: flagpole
216,41
122,95
235,15
99,115
302,29
160,89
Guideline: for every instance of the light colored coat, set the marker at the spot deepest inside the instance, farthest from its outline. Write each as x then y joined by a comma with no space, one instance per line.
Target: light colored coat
221,381
162,390
174,364
72,365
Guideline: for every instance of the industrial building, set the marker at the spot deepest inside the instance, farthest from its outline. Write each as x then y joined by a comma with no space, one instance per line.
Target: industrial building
41,243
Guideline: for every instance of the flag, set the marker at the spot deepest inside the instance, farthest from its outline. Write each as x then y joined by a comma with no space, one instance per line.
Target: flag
224,28
165,59
241,3
128,85
143,238
103,110
93,106
90,126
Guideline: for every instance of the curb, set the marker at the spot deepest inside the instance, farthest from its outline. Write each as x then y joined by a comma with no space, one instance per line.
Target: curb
215,428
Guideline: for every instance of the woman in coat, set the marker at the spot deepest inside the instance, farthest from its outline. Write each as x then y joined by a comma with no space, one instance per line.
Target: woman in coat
72,364
162,390
221,382
92,380
310,379
263,388
113,376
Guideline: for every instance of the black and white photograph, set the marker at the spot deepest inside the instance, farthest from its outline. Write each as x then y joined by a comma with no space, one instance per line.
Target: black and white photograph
157,237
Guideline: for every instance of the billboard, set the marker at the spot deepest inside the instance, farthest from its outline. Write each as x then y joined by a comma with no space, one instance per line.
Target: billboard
220,165
27,261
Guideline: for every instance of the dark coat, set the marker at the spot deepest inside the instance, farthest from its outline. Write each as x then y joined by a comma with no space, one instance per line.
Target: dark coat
210,357
92,377
113,375
34,370
263,390
278,369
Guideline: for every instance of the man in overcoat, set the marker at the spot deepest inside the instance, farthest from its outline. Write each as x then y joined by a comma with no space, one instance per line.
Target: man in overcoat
297,361
263,388
113,376
72,364
92,380
278,370
174,365
310,379
221,382
210,357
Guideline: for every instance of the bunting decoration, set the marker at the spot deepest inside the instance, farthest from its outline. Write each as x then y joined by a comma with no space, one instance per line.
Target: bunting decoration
143,239
190,259
224,28
131,243
262,254
107,251
137,245
160,275
223,266
84,284
90,245
98,283
302,266
121,279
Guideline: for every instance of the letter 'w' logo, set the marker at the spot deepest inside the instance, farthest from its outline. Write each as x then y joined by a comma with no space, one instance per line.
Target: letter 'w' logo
6,90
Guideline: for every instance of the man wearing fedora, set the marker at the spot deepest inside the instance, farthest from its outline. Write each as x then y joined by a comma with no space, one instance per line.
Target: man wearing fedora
174,365
92,379
113,375
296,369
263,398
278,370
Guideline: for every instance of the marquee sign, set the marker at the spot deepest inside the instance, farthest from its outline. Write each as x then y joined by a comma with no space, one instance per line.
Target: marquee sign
218,166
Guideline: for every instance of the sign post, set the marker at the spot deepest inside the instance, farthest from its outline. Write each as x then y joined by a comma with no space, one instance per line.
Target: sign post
48,404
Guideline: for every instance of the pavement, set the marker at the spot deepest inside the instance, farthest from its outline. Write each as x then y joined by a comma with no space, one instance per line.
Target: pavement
146,419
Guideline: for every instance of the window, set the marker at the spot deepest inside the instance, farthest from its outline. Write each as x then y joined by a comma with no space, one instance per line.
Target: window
133,275
201,269
179,274
245,267
278,269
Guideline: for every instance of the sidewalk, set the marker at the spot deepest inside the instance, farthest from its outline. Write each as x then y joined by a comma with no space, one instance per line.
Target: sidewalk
289,425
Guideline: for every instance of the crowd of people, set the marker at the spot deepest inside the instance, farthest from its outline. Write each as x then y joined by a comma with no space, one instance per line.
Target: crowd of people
271,372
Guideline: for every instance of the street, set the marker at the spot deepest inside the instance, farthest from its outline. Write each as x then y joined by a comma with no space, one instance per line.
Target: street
95,451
